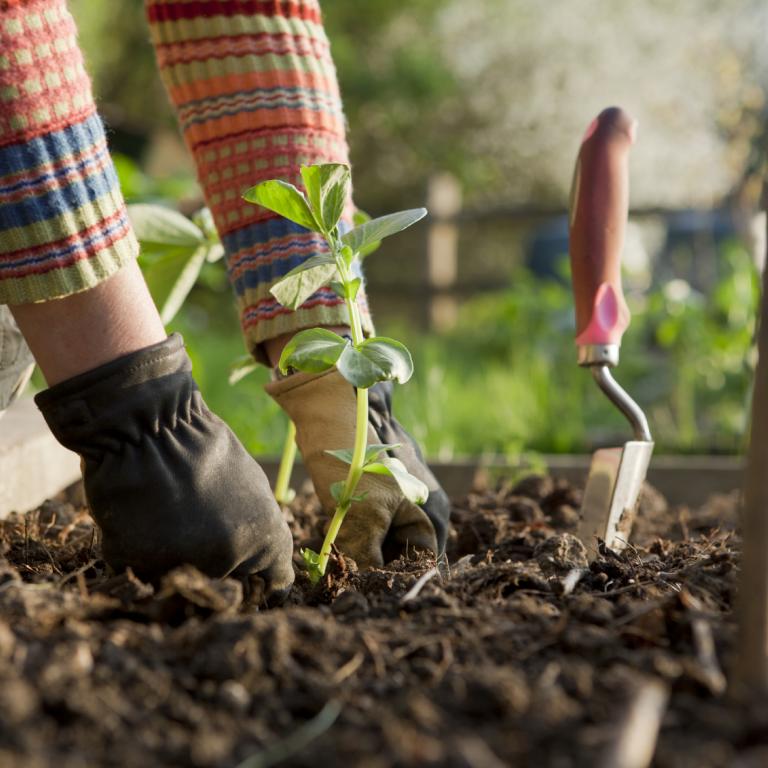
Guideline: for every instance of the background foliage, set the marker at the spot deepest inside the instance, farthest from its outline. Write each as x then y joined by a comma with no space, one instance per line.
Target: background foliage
498,92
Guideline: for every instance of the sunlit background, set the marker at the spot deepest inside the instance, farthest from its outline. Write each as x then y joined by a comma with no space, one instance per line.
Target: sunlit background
476,110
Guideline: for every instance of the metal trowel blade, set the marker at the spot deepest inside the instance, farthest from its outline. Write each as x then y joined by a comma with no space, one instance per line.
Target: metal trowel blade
608,508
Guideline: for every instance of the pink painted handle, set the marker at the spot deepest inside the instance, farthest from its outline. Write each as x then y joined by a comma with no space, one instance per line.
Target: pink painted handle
598,222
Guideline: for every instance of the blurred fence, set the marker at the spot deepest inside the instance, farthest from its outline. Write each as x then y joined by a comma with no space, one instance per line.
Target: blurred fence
425,276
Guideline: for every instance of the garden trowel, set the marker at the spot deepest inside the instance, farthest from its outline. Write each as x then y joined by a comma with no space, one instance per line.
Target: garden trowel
598,220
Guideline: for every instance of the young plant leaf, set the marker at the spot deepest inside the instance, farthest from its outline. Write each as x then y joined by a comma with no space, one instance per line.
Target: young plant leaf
158,225
314,351
337,489
376,359
283,198
312,562
346,290
343,454
215,253
327,188
171,278
375,230
413,489
300,283
360,217
374,450
204,219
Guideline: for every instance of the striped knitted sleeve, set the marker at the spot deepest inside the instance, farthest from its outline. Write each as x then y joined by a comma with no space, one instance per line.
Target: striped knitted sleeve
256,96
63,225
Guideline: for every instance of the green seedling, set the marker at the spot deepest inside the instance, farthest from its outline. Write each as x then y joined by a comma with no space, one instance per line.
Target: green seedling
174,250
362,362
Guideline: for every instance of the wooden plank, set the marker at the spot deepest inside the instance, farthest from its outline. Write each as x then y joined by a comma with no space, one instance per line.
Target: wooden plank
751,669
33,466
688,480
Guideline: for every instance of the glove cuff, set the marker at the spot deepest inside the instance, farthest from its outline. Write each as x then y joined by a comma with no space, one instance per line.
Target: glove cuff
123,400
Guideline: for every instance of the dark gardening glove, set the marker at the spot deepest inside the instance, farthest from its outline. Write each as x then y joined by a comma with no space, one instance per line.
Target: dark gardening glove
166,480
385,524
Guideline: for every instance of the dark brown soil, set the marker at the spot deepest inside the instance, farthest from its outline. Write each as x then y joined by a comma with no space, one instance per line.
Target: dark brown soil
516,652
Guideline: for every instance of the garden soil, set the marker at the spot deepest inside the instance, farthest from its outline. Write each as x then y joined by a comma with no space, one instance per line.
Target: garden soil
516,652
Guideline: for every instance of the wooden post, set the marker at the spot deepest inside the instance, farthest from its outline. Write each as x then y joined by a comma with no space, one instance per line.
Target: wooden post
444,203
751,670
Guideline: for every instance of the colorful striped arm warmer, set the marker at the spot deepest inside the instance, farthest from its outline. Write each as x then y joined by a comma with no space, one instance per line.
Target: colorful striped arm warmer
63,225
256,95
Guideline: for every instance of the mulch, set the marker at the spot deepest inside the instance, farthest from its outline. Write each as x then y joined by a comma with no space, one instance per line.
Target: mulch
514,651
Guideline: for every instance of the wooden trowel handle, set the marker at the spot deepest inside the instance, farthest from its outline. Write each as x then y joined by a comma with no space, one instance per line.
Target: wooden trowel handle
598,222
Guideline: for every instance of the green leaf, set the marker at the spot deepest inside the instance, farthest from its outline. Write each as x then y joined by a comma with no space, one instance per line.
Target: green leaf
241,367
360,217
312,561
374,450
159,225
348,255
337,489
314,350
327,188
343,454
375,230
346,290
371,452
300,283
171,278
215,253
413,489
283,198
204,219
376,359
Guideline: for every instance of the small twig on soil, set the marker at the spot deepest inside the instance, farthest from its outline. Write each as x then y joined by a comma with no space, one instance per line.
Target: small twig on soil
302,737
75,574
636,741
413,592
348,669
373,648
704,643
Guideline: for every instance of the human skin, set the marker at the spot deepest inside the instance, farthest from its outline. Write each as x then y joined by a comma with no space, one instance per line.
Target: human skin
77,333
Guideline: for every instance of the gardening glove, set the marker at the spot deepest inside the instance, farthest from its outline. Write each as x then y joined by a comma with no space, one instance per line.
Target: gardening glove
384,524
166,480
16,361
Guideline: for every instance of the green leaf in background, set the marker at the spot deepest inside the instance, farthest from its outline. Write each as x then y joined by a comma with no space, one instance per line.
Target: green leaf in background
283,198
375,230
413,489
314,350
376,359
215,253
241,367
204,219
328,187
158,225
171,277
300,283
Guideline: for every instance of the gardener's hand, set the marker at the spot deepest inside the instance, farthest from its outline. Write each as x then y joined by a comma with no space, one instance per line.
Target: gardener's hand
167,480
385,524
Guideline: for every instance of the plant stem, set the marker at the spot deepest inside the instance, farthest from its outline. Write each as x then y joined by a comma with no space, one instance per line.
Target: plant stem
286,466
361,427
